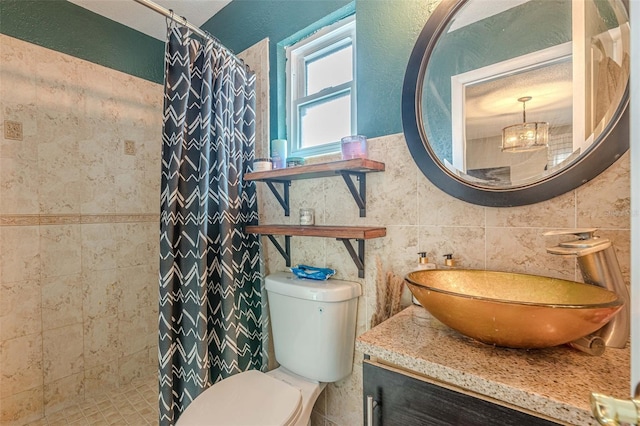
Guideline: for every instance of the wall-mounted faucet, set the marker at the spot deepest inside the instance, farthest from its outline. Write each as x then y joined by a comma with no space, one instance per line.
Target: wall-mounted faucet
599,266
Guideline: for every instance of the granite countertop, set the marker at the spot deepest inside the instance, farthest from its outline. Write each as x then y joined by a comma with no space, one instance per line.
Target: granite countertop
554,382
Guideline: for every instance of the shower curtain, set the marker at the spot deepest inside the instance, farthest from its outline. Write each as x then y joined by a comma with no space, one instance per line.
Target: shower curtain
210,288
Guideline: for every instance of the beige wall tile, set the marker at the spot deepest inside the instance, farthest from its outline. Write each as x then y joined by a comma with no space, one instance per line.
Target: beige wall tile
152,353
307,251
257,57
130,192
19,162
344,400
63,352
16,62
19,186
56,77
137,244
101,294
275,260
60,250
139,291
20,364
605,202
556,213
97,196
438,208
524,250
101,378
338,258
97,82
391,195
101,342
269,210
363,316
62,301
150,183
59,176
466,243
133,340
21,408
21,259
135,366
306,194
340,207
20,309
25,113
63,393
99,246
98,153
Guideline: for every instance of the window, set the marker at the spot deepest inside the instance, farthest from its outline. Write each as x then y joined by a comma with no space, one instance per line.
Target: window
321,104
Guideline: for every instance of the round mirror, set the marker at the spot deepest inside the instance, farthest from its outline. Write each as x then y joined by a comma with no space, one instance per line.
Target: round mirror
512,102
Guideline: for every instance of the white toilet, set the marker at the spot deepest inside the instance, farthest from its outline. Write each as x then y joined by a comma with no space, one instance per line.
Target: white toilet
313,325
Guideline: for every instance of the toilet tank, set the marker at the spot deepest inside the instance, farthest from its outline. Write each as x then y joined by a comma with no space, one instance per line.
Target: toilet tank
313,325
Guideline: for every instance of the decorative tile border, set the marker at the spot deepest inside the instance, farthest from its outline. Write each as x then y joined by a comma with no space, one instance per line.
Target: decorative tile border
75,219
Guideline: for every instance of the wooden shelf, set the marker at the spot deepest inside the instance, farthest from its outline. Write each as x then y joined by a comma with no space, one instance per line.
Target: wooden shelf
348,232
311,171
341,233
348,169
356,168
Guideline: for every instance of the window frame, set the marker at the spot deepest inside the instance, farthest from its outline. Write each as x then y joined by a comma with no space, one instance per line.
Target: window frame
322,43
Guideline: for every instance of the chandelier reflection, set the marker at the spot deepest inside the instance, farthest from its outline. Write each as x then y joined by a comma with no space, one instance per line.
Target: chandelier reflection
525,136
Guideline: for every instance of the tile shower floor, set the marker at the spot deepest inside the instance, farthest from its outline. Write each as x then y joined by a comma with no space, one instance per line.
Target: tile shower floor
134,404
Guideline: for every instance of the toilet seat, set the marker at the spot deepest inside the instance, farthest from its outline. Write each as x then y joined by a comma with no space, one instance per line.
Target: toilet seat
249,398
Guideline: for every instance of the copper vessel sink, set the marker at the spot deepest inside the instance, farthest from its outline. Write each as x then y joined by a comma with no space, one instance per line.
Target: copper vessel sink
513,310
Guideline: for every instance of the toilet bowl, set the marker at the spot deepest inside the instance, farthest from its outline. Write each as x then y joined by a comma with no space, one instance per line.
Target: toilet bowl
313,325
278,398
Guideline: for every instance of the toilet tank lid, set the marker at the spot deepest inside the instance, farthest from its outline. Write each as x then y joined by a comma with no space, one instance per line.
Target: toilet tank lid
331,290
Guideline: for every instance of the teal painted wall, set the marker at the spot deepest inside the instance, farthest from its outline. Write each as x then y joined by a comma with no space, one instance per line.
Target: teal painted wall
67,28
242,23
385,31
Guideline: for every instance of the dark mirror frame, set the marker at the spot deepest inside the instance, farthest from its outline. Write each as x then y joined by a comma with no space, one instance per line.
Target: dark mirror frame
610,146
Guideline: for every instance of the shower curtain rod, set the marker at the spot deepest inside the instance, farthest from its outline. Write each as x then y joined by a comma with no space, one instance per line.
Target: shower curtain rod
183,21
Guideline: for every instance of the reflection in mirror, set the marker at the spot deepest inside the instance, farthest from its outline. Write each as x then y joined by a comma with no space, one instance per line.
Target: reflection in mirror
484,105
570,58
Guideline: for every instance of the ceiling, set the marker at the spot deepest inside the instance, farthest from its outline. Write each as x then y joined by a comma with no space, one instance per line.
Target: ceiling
147,21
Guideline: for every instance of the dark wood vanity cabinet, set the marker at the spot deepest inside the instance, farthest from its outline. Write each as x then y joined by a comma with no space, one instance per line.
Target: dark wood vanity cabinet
405,400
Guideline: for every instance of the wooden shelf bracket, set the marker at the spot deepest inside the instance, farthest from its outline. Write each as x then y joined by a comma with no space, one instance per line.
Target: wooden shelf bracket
354,168
284,198
286,251
358,258
359,194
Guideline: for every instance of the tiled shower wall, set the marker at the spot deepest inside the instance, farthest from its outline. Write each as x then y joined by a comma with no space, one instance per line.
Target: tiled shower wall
79,214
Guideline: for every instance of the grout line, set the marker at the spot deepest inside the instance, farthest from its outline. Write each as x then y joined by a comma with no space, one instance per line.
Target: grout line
75,219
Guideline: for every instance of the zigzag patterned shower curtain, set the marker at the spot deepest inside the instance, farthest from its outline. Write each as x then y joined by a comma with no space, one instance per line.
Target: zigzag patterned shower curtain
210,288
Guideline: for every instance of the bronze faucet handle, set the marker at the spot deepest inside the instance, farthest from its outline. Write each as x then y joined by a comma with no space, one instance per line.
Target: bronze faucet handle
581,233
